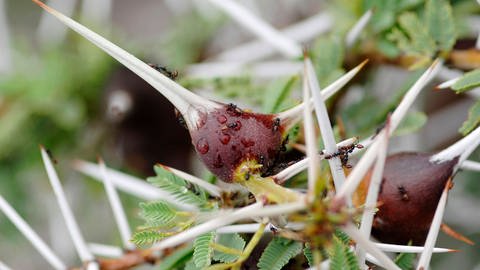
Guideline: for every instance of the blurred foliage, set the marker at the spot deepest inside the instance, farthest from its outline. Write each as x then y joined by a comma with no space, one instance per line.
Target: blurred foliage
47,99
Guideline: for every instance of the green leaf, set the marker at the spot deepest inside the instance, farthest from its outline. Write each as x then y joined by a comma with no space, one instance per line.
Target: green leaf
233,241
415,38
190,265
149,236
343,237
177,187
405,260
159,214
177,258
384,15
412,122
468,81
473,119
341,257
277,94
440,23
307,251
278,252
202,250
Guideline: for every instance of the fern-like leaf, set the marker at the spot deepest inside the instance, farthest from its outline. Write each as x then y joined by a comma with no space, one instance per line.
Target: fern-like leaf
341,257
440,23
146,237
307,251
405,260
233,241
278,252
158,214
177,187
202,250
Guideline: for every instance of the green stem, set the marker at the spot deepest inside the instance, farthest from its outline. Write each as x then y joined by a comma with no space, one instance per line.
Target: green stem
225,249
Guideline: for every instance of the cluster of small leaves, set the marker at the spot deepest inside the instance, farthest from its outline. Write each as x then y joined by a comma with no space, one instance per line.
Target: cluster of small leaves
163,219
278,252
425,38
178,187
467,82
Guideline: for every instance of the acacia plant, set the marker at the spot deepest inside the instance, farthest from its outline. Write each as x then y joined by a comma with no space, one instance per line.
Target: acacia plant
259,210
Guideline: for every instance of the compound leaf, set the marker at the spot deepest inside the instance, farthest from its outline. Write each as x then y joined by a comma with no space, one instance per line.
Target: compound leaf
278,252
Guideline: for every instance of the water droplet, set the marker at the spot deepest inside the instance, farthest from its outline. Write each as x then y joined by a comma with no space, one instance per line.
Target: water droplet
218,163
222,119
247,142
224,138
202,146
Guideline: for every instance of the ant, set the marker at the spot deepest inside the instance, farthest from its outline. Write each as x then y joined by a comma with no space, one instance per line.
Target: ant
403,193
343,153
170,74
232,109
276,125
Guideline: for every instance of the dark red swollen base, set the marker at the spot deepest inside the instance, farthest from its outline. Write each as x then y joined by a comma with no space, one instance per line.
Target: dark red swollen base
410,190
229,136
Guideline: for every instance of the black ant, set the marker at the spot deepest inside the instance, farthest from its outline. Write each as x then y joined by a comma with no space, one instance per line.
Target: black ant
232,109
170,74
403,193
50,155
276,124
343,153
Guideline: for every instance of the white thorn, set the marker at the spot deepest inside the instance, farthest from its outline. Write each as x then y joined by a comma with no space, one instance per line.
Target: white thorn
372,195
411,95
267,69
424,260
4,266
301,165
210,188
447,84
31,235
263,30
49,32
364,243
293,115
248,212
259,49
131,185
190,105
78,241
118,211
470,165
325,125
357,29
310,138
462,149
408,249
105,250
